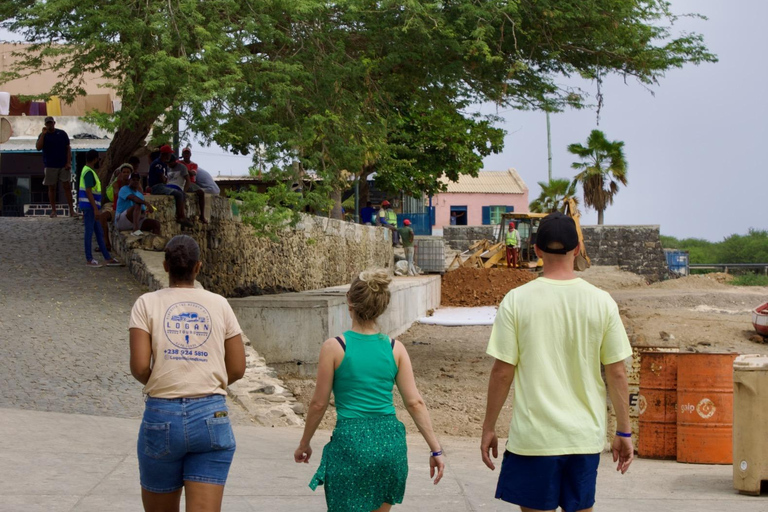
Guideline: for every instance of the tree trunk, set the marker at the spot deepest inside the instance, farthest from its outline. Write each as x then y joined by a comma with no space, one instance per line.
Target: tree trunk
124,145
336,211
365,190
600,217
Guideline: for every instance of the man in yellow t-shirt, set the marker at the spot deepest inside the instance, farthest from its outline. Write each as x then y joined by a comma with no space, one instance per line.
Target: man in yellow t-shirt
550,337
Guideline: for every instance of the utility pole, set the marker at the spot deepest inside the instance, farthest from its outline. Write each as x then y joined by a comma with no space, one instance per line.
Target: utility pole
549,147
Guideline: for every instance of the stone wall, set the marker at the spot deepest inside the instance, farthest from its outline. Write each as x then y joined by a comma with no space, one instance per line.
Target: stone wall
459,238
317,253
633,248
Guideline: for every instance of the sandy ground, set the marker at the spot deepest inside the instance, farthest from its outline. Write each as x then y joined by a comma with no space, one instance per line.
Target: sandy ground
694,313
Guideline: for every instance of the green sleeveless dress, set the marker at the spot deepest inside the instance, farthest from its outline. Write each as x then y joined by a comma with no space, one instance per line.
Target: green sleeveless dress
365,464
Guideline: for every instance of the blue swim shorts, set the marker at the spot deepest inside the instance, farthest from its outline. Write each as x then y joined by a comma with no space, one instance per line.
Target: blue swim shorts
184,439
548,482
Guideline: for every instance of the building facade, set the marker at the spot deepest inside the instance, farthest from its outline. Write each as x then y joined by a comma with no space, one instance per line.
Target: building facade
480,201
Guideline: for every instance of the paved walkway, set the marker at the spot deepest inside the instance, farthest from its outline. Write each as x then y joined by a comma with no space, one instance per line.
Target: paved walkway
54,462
69,409
63,326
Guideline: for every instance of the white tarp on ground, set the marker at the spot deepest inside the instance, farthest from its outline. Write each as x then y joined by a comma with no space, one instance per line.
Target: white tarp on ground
484,315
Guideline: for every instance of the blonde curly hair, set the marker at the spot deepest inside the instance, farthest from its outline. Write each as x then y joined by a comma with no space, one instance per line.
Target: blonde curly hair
368,295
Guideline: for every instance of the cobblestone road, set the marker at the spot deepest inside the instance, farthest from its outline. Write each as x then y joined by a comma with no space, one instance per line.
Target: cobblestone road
63,326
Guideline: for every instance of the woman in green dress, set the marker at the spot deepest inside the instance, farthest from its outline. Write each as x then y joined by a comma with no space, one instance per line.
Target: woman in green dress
364,467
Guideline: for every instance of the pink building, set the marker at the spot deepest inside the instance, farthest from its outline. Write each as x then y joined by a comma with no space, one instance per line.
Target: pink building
480,201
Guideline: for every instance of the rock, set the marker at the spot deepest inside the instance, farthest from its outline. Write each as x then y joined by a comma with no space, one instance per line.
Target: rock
666,336
704,344
299,408
637,339
267,390
757,338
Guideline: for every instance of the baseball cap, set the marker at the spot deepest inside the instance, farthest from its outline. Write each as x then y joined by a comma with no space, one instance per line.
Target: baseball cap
126,166
165,148
407,222
173,157
49,119
557,229
186,150
135,176
511,224
385,203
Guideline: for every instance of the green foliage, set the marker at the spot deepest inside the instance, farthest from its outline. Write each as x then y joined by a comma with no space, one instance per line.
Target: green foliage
750,279
749,248
552,195
602,168
345,88
277,208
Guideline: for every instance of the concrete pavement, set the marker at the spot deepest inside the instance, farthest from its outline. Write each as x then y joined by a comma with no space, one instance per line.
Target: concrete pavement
57,462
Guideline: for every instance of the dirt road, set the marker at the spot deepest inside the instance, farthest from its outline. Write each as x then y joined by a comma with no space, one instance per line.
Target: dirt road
693,313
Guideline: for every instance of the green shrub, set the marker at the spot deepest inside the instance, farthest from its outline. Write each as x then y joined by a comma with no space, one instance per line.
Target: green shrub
750,279
749,248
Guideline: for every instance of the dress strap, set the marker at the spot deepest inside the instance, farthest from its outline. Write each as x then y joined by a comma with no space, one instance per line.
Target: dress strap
341,342
392,342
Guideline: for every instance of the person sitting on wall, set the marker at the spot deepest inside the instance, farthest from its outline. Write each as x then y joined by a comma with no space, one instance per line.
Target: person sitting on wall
205,181
367,214
158,179
179,177
119,178
387,217
131,208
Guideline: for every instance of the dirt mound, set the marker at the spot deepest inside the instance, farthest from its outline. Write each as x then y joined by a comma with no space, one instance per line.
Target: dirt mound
470,287
694,282
612,278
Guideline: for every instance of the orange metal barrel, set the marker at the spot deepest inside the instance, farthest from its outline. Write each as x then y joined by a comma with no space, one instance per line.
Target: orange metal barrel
705,408
657,405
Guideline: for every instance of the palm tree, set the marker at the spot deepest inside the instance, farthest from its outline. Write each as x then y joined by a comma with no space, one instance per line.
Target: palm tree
552,195
602,169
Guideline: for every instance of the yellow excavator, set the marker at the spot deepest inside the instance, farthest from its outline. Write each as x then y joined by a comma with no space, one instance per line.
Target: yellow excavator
527,225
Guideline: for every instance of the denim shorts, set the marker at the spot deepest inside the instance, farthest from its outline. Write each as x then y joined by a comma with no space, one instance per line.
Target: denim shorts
546,482
184,439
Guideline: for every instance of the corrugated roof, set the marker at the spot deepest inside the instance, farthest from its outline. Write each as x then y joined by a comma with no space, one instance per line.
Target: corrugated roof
488,182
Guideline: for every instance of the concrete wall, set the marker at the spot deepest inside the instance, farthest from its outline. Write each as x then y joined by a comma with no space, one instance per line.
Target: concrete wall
41,82
633,248
474,204
317,253
288,329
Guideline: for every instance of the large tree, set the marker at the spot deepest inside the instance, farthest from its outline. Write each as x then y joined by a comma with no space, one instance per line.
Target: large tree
602,169
350,87
156,54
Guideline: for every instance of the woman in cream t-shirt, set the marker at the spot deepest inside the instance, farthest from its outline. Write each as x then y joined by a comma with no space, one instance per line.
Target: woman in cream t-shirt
186,347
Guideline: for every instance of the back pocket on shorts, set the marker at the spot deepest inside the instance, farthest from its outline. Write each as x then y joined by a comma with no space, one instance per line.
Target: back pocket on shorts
222,437
157,439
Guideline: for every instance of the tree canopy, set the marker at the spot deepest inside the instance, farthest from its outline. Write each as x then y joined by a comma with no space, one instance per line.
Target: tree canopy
349,87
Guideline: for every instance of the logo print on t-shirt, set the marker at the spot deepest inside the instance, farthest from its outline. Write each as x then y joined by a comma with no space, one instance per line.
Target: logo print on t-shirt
187,325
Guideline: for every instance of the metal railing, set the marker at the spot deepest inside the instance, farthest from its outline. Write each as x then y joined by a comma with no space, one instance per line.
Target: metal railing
725,266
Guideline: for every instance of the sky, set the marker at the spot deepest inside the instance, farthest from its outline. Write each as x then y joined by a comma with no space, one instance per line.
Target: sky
693,147
693,150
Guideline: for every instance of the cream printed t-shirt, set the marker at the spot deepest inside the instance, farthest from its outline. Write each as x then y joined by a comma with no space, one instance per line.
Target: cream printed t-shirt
188,327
